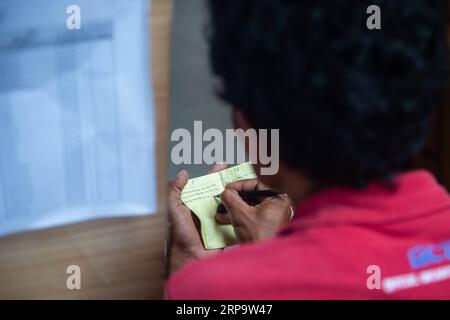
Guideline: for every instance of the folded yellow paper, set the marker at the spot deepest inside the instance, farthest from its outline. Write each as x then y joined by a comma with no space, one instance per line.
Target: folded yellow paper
200,195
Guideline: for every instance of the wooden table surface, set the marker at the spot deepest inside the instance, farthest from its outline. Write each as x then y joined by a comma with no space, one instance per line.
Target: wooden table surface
120,257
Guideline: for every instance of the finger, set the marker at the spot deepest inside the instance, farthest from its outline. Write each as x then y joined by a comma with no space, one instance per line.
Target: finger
180,216
236,207
176,186
247,185
180,181
223,218
280,202
277,200
218,167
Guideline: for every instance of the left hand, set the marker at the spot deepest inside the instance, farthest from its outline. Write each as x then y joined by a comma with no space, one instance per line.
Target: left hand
185,243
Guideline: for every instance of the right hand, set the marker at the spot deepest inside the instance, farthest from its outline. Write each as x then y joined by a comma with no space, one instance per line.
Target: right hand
254,223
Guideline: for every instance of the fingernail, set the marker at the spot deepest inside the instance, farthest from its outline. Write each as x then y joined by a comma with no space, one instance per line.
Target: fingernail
220,162
179,174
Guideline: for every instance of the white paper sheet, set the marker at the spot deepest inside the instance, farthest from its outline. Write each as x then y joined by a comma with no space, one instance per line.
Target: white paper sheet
76,114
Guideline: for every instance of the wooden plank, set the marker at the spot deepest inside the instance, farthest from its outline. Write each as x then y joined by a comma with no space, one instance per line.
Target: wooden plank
119,258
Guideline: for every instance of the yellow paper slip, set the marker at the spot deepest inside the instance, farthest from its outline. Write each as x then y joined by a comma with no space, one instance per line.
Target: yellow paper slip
200,195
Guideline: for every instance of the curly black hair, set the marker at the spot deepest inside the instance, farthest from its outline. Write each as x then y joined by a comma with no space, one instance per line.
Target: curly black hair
351,103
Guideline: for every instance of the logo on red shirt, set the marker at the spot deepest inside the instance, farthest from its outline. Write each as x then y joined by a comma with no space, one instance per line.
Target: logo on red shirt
430,254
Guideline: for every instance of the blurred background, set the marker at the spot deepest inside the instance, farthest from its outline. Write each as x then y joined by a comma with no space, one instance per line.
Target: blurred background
191,89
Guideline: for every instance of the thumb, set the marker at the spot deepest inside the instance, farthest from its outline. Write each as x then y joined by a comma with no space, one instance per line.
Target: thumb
180,181
176,186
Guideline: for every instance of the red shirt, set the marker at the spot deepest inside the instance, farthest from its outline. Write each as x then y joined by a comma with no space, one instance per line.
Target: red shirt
377,243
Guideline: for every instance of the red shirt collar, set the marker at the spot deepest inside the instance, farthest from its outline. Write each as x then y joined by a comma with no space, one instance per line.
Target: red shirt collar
411,194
